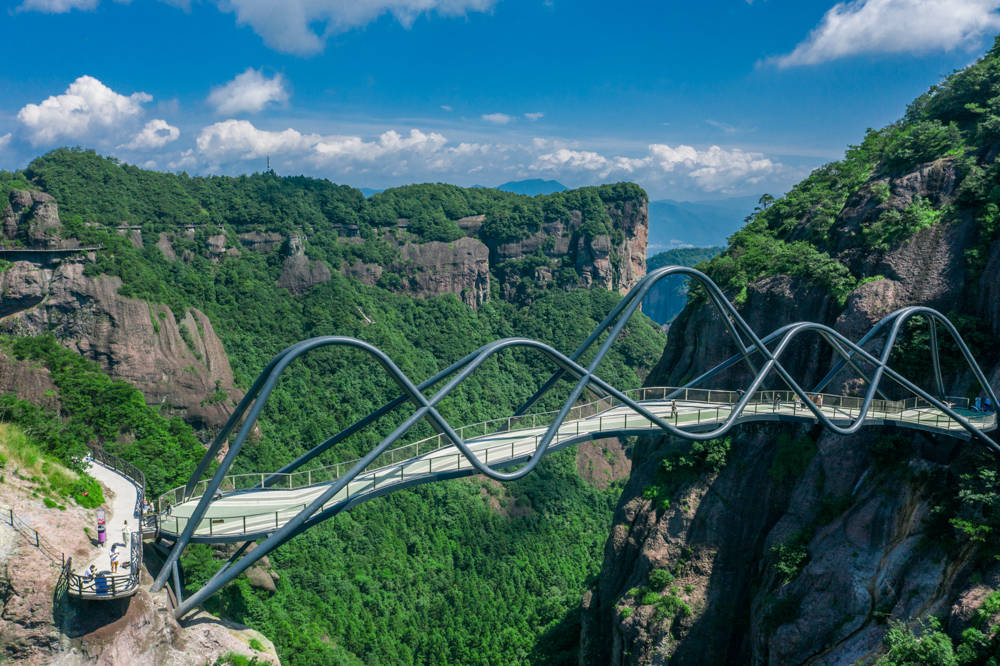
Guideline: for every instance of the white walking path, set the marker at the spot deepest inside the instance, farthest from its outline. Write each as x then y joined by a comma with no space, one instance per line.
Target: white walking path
119,510
258,511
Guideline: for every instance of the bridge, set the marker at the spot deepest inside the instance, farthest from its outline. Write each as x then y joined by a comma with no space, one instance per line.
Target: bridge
277,506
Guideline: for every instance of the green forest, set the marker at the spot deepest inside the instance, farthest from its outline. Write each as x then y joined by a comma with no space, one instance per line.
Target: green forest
956,119
438,574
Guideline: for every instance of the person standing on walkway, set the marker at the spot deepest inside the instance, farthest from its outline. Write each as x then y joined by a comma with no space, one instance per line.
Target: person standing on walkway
125,533
114,559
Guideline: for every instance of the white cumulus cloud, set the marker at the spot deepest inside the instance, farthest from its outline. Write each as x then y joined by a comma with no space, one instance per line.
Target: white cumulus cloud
564,158
249,92
388,143
156,134
57,6
300,26
239,139
291,26
497,118
87,108
538,115
713,169
894,26
391,152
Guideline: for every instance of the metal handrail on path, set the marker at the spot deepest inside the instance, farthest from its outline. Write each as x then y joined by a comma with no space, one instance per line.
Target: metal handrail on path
848,406
104,586
766,403
32,535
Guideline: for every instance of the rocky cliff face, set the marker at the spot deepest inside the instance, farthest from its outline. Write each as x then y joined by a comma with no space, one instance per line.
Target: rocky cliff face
598,261
31,219
467,266
808,565
175,359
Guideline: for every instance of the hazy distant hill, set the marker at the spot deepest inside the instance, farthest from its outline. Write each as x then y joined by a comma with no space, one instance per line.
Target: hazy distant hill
532,187
668,297
695,223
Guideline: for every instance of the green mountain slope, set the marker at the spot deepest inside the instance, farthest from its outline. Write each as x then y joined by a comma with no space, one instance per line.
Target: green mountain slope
456,572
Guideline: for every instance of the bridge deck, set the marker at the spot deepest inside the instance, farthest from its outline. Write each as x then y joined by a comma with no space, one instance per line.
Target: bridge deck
254,512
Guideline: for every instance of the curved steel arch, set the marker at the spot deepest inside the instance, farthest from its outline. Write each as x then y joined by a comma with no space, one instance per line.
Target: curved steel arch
757,348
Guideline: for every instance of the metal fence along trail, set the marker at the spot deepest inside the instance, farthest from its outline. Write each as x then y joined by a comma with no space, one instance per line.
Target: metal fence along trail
104,585
276,506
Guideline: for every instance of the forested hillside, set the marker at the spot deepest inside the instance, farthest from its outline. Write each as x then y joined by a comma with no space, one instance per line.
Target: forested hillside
456,572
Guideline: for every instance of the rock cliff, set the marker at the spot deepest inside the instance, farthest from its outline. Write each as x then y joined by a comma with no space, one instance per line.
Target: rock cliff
805,546
175,359
557,255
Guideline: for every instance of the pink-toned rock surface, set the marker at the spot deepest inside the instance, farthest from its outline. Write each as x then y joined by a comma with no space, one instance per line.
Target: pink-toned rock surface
131,339
138,630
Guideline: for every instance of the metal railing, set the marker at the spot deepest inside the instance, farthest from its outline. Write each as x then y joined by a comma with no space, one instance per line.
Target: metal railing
408,462
31,534
107,586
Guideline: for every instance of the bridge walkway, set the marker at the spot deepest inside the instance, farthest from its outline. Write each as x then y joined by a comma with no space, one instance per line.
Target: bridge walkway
245,510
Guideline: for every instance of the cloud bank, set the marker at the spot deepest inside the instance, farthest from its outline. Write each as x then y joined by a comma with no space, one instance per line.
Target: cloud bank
894,26
291,26
91,113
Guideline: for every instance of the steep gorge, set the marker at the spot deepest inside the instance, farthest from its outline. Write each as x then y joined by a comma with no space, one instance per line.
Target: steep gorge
188,302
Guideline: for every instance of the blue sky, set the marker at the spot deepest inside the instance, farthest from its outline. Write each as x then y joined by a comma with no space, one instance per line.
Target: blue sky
692,100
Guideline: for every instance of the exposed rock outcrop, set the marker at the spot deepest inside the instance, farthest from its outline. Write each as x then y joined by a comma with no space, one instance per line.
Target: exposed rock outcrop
299,272
861,521
32,218
257,241
598,261
131,339
433,269
873,559
468,267
28,382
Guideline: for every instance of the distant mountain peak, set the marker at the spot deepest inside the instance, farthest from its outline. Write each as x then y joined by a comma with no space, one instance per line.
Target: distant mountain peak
532,186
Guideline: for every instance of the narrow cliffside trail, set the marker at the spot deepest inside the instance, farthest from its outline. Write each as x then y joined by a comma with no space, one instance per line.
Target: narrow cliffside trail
120,510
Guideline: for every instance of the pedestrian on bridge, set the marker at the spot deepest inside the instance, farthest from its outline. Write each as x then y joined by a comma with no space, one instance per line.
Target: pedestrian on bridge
114,559
673,410
125,533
